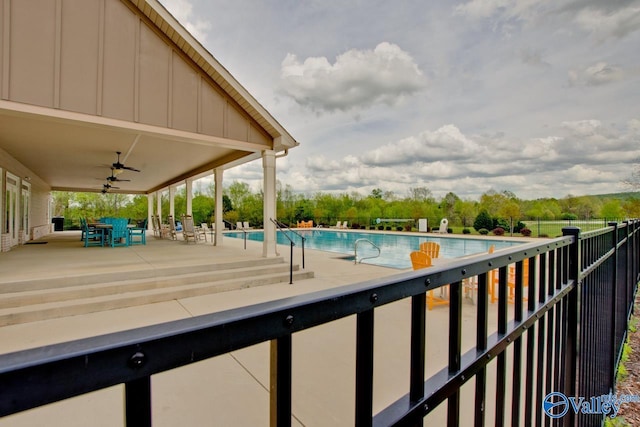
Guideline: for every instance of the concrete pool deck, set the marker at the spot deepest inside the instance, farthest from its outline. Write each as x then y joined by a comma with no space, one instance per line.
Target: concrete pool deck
231,389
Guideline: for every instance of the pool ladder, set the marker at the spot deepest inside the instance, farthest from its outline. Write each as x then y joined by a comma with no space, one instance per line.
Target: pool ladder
355,250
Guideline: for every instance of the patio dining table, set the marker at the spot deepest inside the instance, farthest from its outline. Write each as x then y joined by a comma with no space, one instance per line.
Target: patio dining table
105,229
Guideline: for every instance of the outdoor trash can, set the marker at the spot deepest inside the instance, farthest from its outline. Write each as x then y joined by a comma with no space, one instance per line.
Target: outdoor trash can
58,223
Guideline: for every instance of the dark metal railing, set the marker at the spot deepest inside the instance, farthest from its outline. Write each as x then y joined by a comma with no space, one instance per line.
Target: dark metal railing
284,229
609,277
562,309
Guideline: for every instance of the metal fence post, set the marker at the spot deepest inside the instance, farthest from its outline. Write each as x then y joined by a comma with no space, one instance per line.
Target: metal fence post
573,301
614,304
280,382
138,402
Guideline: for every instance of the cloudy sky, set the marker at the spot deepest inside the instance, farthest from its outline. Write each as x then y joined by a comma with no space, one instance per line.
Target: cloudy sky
538,97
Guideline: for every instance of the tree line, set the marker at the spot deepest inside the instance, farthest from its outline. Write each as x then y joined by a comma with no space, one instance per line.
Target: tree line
240,203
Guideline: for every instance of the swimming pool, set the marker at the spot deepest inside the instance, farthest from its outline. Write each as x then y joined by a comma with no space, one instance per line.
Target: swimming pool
394,248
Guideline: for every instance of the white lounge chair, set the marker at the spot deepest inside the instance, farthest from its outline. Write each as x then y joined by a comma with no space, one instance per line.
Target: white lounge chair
338,225
239,226
344,224
204,230
444,224
245,225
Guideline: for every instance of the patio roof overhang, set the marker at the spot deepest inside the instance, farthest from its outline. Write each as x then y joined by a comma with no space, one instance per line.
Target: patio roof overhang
73,151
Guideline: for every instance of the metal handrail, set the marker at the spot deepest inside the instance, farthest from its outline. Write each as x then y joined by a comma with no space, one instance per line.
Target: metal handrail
355,250
282,227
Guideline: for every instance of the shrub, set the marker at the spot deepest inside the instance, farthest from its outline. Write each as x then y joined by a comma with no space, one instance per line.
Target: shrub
407,227
466,231
483,220
501,223
381,227
525,232
399,228
519,226
388,228
483,231
498,231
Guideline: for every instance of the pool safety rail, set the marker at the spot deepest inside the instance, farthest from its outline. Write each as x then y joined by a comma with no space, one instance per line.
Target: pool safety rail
355,250
562,332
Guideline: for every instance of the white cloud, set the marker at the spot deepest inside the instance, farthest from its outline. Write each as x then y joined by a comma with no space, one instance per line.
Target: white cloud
446,143
321,163
585,174
358,79
542,149
587,153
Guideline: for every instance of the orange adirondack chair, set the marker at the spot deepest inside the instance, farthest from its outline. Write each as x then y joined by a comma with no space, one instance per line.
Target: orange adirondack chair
430,248
420,260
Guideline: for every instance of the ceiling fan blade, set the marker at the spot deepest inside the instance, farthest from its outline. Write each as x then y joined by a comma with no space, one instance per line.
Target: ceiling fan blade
119,166
116,179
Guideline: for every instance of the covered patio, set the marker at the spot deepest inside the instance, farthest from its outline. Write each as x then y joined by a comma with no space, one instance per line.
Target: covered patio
84,81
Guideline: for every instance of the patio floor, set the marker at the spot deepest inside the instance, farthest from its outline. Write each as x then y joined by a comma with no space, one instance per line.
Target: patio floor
230,389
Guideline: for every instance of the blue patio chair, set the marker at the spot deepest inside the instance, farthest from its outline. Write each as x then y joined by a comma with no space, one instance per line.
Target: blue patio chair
91,236
83,223
119,234
138,235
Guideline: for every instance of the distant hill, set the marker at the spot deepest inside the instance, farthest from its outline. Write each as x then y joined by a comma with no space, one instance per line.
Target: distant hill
622,196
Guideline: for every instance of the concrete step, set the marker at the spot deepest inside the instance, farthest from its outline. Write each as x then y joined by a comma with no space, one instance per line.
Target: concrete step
71,297
144,272
65,293
37,312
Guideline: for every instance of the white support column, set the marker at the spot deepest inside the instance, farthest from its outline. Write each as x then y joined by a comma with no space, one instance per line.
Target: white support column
172,202
159,204
149,211
219,207
189,187
269,189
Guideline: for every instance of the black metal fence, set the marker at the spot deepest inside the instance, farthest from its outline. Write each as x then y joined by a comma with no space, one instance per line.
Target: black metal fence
562,310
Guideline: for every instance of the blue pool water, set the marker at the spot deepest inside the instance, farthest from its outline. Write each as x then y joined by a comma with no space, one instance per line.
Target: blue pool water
394,248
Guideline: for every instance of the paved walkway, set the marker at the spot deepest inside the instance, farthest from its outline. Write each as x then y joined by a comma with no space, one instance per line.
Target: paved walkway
231,389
